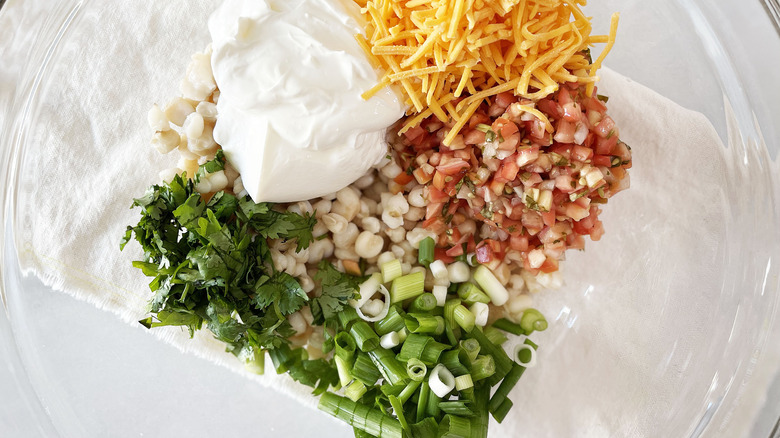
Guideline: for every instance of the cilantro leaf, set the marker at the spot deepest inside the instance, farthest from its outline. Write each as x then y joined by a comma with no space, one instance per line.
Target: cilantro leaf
337,289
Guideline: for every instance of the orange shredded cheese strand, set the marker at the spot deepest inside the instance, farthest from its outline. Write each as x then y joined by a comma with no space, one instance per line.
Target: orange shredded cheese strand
439,50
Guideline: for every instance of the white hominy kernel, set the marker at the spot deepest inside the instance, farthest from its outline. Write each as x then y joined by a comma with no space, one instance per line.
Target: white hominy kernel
396,235
320,249
305,207
502,273
207,110
346,238
300,269
416,197
406,268
348,211
319,229
292,264
306,310
530,282
186,153
397,251
329,196
167,175
294,208
203,159
165,141
415,214
366,180
370,204
409,225
203,186
322,207
231,173
384,258
187,165
391,170
519,303
205,144
371,224
417,235
198,82
302,256
459,272
394,187
193,126
397,203
238,185
297,322
419,269
393,219
368,245
346,254
315,342
242,194
516,284
218,181
307,284
215,96
336,223
157,119
177,111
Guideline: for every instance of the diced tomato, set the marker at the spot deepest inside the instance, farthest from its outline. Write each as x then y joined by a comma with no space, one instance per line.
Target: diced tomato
436,196
421,176
550,265
548,217
474,136
441,254
606,127
518,243
604,146
602,160
508,170
403,178
565,132
581,153
505,99
433,210
439,180
450,165
455,251
415,132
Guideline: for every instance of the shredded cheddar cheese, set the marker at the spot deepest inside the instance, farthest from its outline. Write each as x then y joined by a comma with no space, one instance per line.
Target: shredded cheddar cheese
449,55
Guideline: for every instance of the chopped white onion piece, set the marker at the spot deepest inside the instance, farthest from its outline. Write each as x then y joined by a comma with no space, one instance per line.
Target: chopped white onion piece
480,311
490,284
373,307
459,272
390,340
441,381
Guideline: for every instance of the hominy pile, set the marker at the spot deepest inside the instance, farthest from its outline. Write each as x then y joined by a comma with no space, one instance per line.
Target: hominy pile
374,219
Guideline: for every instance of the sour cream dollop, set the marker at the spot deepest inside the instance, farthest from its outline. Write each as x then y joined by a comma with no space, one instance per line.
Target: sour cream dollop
291,116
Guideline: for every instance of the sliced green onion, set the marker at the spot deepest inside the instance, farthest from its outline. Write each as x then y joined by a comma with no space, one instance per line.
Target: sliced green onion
416,369
355,390
367,289
525,355
470,347
509,327
480,312
480,423
432,352
391,270
533,320
393,322
490,284
254,360
390,340
464,318
424,303
502,361
366,338
505,388
281,357
471,293
501,412
391,369
409,390
361,433
425,252
452,426
457,407
398,409
440,293
422,401
347,316
449,311
382,313
451,360
463,382
343,368
407,286
484,366
344,345
422,323
441,381
365,370
495,335
427,428
432,407
413,347
452,333
372,421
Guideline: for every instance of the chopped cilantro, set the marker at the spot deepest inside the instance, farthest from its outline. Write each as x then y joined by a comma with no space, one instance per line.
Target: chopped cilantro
337,289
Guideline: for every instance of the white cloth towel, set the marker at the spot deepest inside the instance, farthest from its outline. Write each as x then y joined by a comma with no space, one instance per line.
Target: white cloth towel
622,353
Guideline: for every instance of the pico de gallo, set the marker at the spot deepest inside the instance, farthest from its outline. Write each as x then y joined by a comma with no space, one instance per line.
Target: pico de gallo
534,173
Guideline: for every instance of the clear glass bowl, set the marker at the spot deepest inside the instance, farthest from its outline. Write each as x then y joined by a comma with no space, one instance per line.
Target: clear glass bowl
701,345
